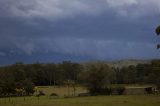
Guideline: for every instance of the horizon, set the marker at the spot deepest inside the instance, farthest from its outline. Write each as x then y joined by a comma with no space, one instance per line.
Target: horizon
137,61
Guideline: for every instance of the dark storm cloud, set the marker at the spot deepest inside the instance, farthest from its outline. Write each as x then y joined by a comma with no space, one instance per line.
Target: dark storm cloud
80,29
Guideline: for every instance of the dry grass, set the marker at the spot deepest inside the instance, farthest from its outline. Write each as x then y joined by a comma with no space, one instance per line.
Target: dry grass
61,91
123,100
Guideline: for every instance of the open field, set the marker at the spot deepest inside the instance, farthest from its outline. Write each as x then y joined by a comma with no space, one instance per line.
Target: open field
114,100
61,91
125,100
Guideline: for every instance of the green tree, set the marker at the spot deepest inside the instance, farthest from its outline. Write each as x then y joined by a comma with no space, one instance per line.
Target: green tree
155,72
1,88
69,70
126,74
51,72
98,78
28,86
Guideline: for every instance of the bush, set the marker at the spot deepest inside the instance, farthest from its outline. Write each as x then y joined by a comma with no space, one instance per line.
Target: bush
148,90
108,91
158,86
40,93
120,90
53,94
101,91
83,94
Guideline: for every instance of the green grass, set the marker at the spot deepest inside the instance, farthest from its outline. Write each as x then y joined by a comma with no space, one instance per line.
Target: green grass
125,100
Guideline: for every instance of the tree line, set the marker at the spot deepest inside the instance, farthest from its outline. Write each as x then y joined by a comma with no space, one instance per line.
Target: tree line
95,76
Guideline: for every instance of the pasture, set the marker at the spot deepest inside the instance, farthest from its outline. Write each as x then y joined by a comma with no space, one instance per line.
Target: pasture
114,100
62,91
124,100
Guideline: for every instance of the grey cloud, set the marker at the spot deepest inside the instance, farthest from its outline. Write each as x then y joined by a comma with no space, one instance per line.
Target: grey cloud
49,9
135,8
2,54
98,49
97,29
57,9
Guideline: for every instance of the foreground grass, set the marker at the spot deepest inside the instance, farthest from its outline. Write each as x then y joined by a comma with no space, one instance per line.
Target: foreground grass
124,100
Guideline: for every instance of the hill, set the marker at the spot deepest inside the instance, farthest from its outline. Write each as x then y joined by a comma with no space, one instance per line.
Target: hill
121,63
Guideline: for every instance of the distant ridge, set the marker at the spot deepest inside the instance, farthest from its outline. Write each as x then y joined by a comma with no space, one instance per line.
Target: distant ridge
122,63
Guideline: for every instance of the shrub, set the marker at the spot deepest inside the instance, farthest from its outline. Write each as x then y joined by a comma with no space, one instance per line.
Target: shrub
83,94
101,91
41,93
53,94
120,90
158,86
148,90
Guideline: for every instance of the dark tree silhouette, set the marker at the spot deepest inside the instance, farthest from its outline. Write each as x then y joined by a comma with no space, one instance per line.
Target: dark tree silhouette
158,33
158,30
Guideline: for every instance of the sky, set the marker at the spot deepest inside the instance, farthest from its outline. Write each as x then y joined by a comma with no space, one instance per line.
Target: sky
78,30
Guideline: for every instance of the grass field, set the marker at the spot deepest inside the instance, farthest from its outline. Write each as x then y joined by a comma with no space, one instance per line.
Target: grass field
139,100
61,91
124,100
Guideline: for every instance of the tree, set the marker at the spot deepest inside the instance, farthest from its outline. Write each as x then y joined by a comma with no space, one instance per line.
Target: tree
1,88
98,77
158,30
69,70
158,33
155,72
28,87
51,74
126,75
